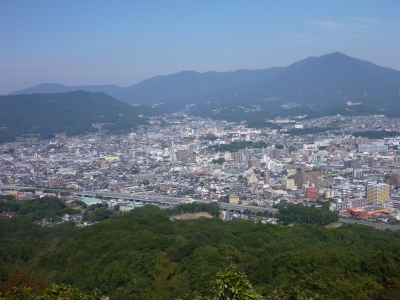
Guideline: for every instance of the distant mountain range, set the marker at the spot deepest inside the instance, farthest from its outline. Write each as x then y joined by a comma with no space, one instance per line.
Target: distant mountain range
328,81
322,82
31,116
313,87
175,89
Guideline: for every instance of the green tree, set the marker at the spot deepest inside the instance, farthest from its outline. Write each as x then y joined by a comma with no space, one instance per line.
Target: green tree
230,284
301,214
53,292
220,161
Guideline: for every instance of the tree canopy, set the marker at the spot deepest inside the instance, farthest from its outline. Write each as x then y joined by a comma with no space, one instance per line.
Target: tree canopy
145,255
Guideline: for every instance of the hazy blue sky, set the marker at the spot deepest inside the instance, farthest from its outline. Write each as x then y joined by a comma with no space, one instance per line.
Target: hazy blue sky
123,42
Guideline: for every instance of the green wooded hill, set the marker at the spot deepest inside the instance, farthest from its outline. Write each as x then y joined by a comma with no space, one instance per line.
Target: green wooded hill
145,255
72,113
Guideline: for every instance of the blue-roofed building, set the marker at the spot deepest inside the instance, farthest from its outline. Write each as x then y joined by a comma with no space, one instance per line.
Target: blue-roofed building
91,201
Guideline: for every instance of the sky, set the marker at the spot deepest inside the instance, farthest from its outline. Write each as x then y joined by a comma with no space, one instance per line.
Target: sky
75,42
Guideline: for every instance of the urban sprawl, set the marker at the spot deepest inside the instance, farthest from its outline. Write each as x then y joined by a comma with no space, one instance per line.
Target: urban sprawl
197,159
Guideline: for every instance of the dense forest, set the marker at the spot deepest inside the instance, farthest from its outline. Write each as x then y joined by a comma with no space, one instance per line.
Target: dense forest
145,255
46,207
299,214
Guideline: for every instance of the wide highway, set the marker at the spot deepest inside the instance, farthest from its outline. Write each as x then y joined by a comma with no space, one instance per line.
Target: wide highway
152,199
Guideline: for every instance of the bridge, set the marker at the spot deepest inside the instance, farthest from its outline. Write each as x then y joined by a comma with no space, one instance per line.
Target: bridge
152,199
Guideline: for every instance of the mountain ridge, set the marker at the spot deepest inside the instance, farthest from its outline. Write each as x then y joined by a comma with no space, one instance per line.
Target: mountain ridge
329,74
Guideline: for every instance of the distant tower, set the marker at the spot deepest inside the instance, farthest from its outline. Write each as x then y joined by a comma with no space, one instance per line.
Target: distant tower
365,94
320,92
267,176
391,149
299,93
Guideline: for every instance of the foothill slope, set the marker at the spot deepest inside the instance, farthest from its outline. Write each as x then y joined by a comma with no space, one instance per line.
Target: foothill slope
31,116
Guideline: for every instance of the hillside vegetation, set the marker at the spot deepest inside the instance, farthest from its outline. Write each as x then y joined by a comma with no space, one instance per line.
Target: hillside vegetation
72,113
145,255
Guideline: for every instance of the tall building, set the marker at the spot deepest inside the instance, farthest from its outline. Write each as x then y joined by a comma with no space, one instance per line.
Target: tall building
340,204
349,190
329,193
301,178
290,184
396,202
267,176
377,193
352,163
370,161
324,183
313,157
276,153
312,192
252,179
254,162
391,149
52,181
358,173
372,148
240,157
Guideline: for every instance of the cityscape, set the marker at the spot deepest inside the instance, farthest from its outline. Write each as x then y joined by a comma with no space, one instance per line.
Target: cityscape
199,150
256,168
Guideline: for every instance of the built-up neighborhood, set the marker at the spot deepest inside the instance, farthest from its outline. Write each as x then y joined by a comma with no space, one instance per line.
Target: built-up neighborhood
196,158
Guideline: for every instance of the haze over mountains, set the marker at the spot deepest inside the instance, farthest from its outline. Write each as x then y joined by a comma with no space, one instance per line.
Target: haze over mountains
175,88
313,87
326,81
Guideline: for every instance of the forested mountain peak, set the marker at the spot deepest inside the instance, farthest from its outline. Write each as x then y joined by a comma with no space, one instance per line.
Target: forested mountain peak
43,115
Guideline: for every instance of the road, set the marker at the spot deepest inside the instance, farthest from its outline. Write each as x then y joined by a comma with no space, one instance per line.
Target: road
166,200
377,225
153,199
